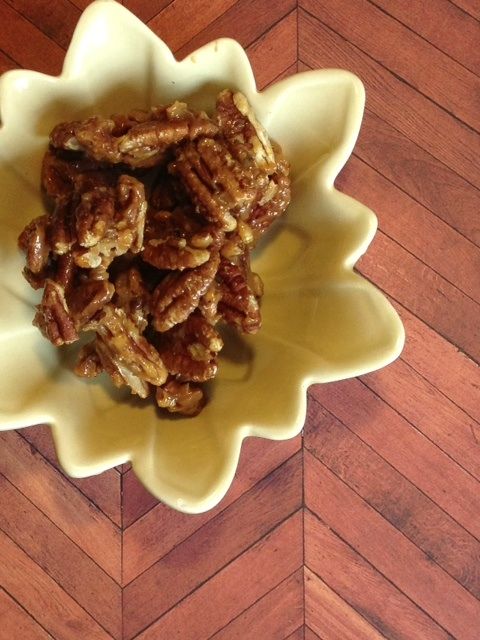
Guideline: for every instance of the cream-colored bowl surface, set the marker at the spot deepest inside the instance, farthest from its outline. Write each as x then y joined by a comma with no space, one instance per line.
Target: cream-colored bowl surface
321,321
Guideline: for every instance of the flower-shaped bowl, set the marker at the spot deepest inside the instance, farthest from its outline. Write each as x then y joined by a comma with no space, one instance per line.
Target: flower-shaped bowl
321,321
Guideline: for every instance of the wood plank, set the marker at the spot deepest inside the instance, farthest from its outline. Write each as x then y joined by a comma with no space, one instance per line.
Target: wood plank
273,617
393,496
181,20
400,50
136,500
330,616
405,448
433,299
233,530
309,635
299,634
431,412
395,101
276,50
81,4
15,622
390,552
362,585
237,586
431,355
6,63
290,71
443,24
447,252
56,554
146,9
418,174
78,518
103,490
154,535
245,21
57,20
41,596
472,7
42,53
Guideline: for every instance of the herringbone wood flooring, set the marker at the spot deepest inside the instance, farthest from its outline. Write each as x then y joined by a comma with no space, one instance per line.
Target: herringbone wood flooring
368,526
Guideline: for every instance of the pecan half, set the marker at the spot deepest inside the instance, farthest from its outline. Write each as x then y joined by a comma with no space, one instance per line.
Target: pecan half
181,397
190,350
178,294
135,141
125,354
238,305
53,317
109,222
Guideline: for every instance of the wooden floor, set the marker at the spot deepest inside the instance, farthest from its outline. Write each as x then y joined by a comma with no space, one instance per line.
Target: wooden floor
369,526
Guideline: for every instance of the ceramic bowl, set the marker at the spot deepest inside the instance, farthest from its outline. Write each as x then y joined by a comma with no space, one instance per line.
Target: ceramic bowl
321,321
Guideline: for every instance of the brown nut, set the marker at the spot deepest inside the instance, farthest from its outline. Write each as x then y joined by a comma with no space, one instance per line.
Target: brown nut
180,397
190,350
238,305
178,294
53,317
125,354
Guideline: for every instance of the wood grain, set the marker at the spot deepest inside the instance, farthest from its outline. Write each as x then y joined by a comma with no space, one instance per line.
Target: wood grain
447,252
41,596
272,617
16,622
443,24
103,490
434,300
149,539
393,554
427,69
237,586
56,20
393,100
363,587
42,54
367,526
394,497
330,616
233,530
395,439
56,554
245,21
61,502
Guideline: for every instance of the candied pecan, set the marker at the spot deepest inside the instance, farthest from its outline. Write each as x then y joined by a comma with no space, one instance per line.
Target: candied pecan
267,211
173,240
53,317
208,304
247,139
63,176
132,295
181,397
87,299
34,242
125,354
189,350
238,305
218,186
178,294
88,363
110,222
130,141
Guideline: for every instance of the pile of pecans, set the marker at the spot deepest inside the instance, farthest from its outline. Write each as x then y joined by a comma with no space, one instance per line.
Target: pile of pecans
152,217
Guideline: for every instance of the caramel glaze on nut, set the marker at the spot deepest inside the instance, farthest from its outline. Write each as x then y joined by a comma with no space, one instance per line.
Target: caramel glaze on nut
146,245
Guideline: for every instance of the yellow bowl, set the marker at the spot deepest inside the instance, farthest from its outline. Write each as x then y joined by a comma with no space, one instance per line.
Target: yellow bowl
321,321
